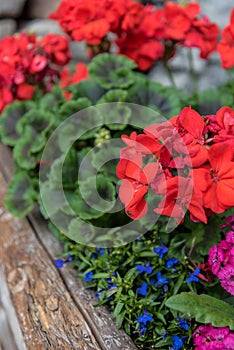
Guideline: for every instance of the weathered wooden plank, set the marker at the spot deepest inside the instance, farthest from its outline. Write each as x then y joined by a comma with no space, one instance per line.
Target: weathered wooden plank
6,337
48,316
99,319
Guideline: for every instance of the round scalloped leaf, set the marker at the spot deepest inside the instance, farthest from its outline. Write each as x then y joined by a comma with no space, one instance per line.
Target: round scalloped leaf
21,195
71,107
51,101
87,89
79,127
167,101
116,115
99,198
204,308
79,232
22,151
68,166
40,120
9,119
112,71
116,95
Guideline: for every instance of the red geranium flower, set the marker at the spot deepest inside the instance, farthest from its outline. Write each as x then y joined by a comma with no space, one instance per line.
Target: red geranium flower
216,181
226,45
134,187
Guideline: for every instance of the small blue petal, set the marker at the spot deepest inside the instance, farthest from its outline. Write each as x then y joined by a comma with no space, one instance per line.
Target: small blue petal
88,276
59,263
143,289
161,251
171,262
183,324
177,343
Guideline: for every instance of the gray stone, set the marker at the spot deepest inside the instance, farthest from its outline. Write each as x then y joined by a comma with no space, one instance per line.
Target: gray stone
11,8
40,27
40,8
7,27
78,51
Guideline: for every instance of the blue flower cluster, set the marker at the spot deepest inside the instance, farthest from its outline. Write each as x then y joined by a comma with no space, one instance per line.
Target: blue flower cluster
143,320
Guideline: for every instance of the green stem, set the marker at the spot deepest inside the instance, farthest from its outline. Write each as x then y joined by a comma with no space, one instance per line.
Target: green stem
169,73
193,71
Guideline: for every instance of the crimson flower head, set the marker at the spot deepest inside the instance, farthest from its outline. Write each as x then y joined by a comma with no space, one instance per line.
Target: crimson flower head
226,45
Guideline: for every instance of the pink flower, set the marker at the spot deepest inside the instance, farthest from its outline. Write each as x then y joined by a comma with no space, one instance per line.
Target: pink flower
228,342
216,257
226,276
207,337
230,237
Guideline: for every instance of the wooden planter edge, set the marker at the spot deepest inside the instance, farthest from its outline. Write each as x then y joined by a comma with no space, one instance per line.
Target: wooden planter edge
53,308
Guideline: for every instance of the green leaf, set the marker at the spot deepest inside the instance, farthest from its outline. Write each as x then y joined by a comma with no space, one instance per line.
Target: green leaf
9,118
79,232
51,101
21,195
116,115
40,120
71,107
87,89
166,101
112,71
79,127
118,308
115,95
22,151
203,308
67,167
98,194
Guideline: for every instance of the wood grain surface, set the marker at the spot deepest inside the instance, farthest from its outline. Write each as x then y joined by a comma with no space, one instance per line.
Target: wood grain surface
52,306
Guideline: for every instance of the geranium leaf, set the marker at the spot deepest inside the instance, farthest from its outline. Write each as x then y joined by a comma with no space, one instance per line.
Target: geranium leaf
71,107
22,151
52,101
9,118
116,115
79,127
87,89
203,308
112,71
151,94
21,195
116,95
40,120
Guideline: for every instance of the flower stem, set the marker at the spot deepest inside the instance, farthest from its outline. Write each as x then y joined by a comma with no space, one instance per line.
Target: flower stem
169,72
193,71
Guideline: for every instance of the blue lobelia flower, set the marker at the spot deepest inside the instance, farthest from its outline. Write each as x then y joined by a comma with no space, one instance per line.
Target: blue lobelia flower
88,276
143,320
183,323
177,343
144,268
161,251
161,281
171,262
193,276
59,263
143,289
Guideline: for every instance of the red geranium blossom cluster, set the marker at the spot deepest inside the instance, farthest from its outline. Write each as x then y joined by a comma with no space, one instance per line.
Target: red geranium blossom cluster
207,337
226,45
221,261
28,62
188,162
143,33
